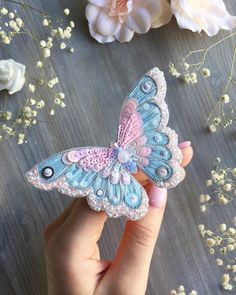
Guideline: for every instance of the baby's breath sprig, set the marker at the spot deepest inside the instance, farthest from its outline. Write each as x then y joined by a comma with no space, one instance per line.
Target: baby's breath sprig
221,185
182,291
46,83
221,243
192,67
223,113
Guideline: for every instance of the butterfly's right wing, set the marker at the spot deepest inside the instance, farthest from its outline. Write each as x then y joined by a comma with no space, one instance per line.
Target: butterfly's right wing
143,131
93,173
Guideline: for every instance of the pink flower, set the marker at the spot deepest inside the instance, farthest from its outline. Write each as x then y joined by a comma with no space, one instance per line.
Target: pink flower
111,20
203,15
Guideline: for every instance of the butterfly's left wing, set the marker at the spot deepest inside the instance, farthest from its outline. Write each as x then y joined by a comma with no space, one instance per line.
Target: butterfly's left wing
144,135
96,174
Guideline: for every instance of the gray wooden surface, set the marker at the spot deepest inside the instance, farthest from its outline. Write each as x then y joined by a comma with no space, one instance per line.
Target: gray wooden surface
96,79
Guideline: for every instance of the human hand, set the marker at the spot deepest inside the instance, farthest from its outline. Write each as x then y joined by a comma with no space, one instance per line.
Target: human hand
72,255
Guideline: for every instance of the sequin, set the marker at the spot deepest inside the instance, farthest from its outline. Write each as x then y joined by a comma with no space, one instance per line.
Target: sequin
72,156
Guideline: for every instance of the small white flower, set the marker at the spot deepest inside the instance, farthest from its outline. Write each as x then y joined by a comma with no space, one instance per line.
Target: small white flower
57,101
14,26
60,33
61,95
219,262
11,15
210,242
12,75
227,187
32,101
212,128
181,288
225,278
53,82
206,72
72,24
203,208
49,44
43,43
201,227
66,11
45,22
19,22
39,64
4,11
31,88
63,45
67,33
6,39
203,15
46,52
111,20
225,98
21,138
40,104
186,66
53,32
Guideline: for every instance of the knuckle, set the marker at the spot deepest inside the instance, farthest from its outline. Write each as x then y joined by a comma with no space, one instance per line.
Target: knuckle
143,234
56,248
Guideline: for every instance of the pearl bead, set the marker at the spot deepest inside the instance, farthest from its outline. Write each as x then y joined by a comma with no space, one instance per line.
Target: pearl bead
47,172
162,172
132,200
123,157
158,138
147,86
99,192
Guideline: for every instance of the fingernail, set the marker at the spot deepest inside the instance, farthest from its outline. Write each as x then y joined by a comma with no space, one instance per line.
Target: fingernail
157,197
184,144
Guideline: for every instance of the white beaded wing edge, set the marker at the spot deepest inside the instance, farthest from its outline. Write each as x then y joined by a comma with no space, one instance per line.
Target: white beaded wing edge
177,157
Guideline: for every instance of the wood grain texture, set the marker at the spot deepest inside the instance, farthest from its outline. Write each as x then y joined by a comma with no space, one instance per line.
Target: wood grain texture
96,79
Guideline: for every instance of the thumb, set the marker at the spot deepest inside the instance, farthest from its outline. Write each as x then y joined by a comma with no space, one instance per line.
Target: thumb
134,255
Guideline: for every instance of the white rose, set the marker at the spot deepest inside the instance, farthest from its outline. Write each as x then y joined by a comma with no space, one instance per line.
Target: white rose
12,75
203,15
111,20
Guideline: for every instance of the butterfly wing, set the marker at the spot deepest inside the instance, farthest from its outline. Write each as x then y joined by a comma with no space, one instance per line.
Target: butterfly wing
143,131
96,174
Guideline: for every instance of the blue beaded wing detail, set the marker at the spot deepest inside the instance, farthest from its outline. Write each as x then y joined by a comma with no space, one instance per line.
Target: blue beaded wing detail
104,175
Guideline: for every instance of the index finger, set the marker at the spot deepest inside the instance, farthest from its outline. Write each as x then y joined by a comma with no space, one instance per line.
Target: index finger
136,248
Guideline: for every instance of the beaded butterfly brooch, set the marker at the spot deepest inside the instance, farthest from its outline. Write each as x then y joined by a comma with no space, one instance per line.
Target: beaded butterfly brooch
104,174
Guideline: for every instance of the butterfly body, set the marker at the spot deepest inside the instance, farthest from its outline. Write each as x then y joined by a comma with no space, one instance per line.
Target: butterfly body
104,175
